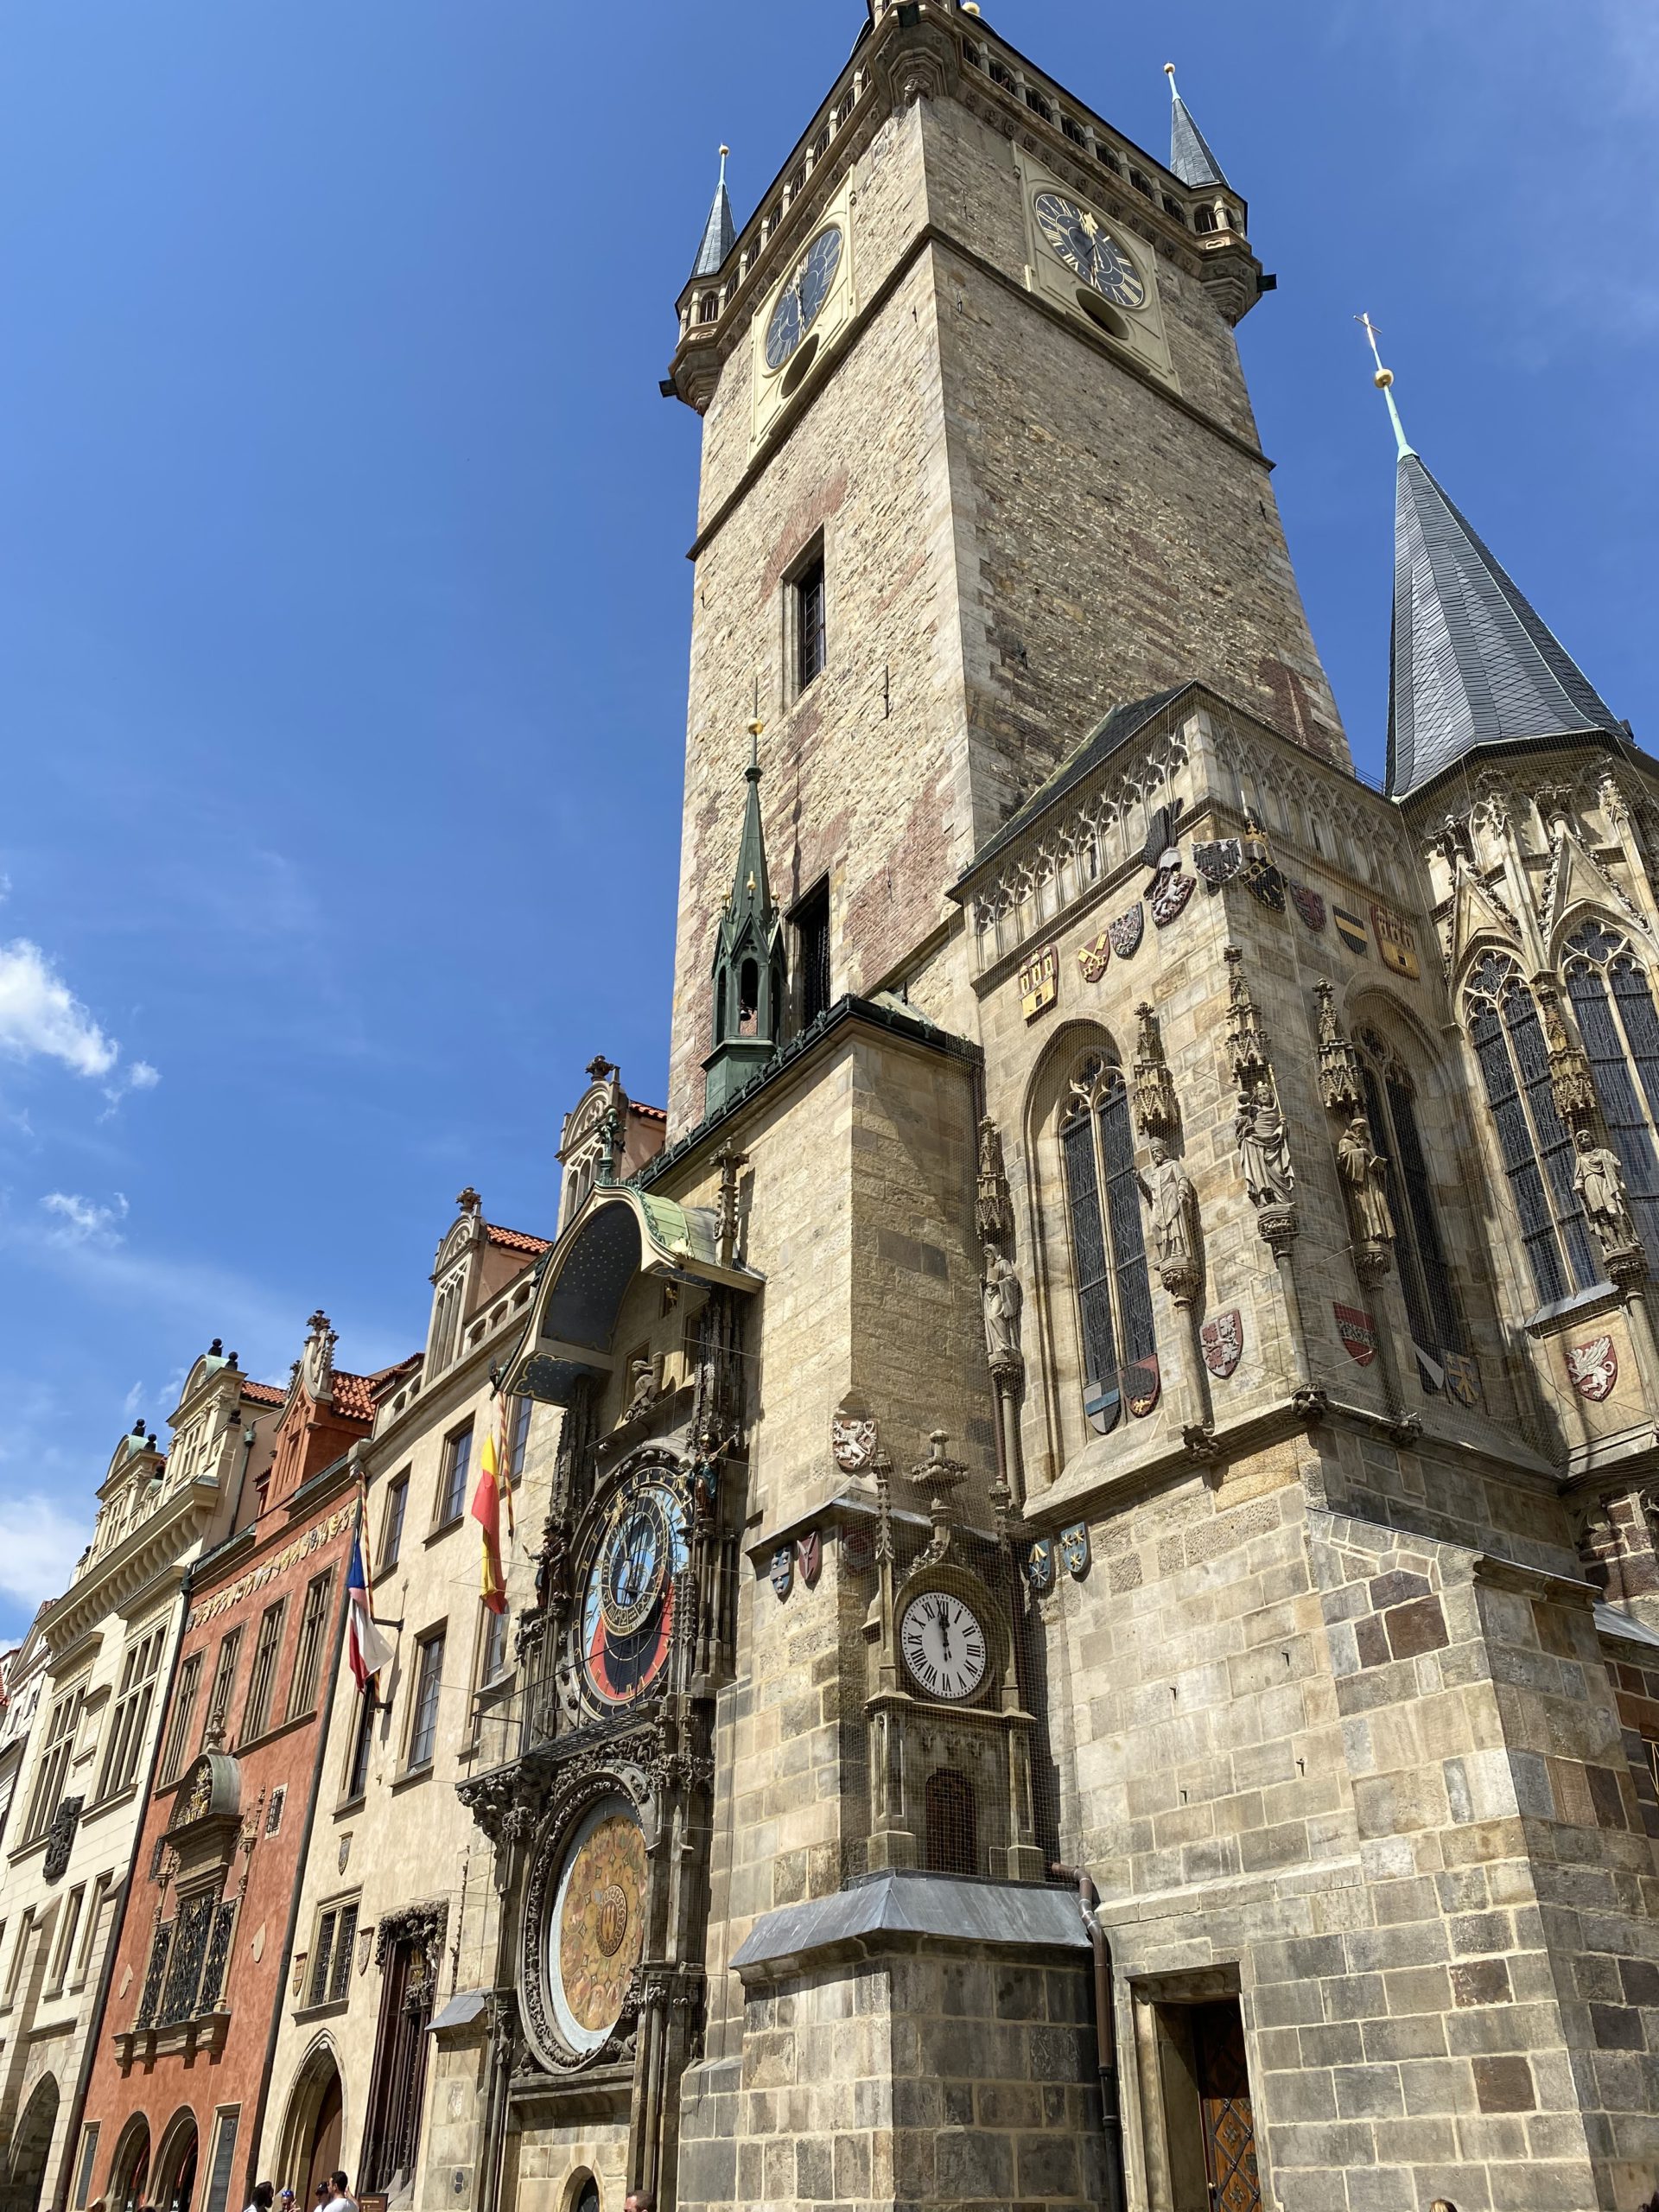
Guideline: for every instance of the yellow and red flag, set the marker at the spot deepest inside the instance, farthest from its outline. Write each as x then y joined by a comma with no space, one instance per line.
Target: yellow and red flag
487,1511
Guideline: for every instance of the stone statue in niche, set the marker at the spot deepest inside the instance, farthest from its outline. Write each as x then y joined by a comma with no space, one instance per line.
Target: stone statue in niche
1263,1147
1174,1204
1363,1169
1599,1182
1004,1302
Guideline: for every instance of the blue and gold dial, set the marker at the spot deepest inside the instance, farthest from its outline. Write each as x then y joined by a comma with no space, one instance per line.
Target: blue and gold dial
801,302
627,1607
1089,251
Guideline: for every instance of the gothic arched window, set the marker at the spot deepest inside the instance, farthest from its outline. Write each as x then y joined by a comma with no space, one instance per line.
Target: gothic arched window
1109,1252
1509,1041
1425,1279
1612,1003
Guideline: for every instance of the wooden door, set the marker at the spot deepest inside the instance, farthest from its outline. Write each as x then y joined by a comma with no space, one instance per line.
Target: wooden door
1225,2105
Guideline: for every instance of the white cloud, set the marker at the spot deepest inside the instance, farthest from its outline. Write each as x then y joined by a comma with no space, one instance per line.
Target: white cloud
141,1076
82,1221
41,1016
39,1546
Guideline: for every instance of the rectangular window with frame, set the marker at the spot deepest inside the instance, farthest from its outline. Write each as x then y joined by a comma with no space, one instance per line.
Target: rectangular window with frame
226,2126
64,1949
84,2164
424,1705
178,1727
19,1952
492,1641
520,1437
308,1655
96,1922
452,1487
811,925
809,635
392,1526
57,1744
356,1766
331,1954
125,1743
256,1713
219,1697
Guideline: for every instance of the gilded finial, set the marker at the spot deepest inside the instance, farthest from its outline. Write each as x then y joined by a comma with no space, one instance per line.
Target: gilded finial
1384,382
1169,72
755,729
725,152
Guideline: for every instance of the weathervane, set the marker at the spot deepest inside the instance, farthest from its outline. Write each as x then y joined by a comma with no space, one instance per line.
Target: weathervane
1384,382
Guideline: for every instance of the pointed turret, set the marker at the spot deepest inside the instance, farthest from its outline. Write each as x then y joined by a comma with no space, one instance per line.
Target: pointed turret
719,232
748,970
1190,158
1473,663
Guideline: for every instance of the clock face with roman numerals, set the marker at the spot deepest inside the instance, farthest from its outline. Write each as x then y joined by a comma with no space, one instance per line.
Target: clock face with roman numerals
1089,249
944,1645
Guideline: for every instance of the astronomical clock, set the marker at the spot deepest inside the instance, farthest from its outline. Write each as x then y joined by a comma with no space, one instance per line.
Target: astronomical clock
600,1818
950,1734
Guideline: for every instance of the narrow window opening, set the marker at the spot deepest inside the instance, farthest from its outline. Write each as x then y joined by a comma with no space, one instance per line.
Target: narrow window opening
807,616
811,922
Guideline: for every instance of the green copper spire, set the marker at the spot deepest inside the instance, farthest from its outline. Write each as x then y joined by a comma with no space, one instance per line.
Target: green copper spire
748,968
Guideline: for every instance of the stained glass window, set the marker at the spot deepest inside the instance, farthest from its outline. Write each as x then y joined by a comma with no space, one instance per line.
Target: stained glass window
1109,1253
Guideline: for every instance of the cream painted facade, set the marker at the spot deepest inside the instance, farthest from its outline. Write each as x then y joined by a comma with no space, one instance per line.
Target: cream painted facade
107,1649
396,1879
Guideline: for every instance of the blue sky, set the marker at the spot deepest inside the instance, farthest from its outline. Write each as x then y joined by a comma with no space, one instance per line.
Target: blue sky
343,604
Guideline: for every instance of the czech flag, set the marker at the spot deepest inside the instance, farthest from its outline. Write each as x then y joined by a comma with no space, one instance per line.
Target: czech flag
367,1651
486,1510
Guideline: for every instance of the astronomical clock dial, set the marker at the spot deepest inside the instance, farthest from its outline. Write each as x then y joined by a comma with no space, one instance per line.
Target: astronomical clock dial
944,1646
1089,252
628,1608
801,302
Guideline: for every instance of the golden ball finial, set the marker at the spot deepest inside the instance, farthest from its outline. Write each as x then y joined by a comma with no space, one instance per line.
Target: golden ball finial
1169,68
756,728
970,7
724,151
1383,378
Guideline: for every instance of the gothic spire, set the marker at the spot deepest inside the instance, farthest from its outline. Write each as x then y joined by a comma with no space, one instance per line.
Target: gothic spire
748,968
1473,663
719,232
1190,158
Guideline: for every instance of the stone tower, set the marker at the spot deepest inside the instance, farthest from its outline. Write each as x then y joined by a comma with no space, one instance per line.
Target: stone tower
978,463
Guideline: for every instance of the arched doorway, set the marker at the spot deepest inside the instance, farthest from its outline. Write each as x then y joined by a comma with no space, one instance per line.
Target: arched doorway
312,2128
129,2167
30,2144
325,2141
173,2184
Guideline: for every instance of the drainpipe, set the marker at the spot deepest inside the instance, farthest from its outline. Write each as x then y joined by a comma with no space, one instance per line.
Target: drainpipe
324,1716
106,1972
1111,2114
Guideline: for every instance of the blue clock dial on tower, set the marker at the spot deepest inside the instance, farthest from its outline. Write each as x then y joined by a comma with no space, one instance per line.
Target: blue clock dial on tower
1090,252
802,299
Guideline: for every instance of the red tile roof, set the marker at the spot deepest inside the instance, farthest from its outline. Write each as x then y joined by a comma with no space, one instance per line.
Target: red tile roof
264,1394
515,1240
357,1395
650,1113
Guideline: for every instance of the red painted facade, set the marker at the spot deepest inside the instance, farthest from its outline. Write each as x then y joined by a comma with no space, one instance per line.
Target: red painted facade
205,1938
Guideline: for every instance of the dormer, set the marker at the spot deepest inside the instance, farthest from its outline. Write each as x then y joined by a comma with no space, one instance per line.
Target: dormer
131,1487
607,1138
326,1410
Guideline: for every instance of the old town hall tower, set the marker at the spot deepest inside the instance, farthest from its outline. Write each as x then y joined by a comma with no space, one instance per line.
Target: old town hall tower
1097,1637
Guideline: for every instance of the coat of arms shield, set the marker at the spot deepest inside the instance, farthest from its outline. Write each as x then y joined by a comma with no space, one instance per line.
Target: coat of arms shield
1143,1381
1462,1378
1218,862
1592,1367
1358,1331
1169,896
1308,904
1222,1339
810,1552
1074,1549
1127,931
781,1573
1094,957
1039,1566
852,1440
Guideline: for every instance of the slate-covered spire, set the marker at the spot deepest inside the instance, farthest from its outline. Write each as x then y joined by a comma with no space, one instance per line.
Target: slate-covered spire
748,969
1190,158
719,232
1473,663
